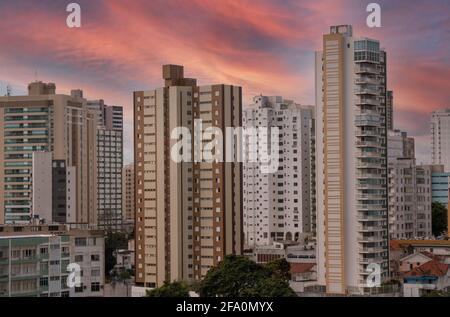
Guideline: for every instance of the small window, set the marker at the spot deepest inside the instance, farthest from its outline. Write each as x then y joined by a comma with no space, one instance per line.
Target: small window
95,287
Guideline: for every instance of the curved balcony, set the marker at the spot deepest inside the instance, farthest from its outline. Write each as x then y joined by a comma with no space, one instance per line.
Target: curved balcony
363,69
366,91
367,101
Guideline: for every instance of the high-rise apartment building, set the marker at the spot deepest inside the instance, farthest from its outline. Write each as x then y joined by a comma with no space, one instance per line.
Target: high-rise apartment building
128,196
109,159
188,214
400,145
440,143
410,190
351,162
277,206
43,121
409,199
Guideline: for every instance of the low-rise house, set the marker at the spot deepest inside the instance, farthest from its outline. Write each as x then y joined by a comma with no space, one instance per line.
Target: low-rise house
430,276
414,260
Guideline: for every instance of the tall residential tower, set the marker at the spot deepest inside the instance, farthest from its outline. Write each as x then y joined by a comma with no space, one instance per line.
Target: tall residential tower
351,163
188,214
277,206
440,143
45,122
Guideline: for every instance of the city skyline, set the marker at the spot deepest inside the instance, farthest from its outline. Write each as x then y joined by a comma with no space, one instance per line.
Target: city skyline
228,148
269,49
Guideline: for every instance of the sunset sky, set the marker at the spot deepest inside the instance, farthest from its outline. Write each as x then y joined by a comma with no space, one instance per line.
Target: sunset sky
266,46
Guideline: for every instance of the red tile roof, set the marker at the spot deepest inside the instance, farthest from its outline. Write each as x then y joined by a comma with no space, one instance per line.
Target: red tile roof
301,267
431,268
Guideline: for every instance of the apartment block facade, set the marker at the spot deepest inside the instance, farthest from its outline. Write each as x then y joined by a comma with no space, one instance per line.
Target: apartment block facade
43,121
351,161
109,159
409,200
128,193
278,206
188,214
34,261
410,190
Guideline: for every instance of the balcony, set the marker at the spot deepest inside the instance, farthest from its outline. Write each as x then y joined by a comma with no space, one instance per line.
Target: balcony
367,101
368,144
370,239
367,120
363,154
366,91
370,176
366,80
360,69
372,250
30,259
361,133
371,218
370,196
378,260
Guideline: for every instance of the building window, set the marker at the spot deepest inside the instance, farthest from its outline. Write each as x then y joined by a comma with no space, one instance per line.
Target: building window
80,242
78,258
95,287
43,281
79,289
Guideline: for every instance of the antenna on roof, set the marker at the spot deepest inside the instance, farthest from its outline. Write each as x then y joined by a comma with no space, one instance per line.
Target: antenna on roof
8,90
35,75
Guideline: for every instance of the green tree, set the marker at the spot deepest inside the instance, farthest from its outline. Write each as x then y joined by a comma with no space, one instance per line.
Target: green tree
280,268
175,289
113,241
238,276
274,287
439,218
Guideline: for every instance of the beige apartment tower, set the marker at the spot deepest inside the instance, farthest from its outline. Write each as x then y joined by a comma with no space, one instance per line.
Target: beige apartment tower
188,214
44,121
351,162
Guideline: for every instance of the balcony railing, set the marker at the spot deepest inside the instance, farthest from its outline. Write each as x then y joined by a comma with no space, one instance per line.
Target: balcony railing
360,69
367,101
366,91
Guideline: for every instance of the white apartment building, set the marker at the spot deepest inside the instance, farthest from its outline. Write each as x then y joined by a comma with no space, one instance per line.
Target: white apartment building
410,190
277,206
351,162
440,143
409,200
87,249
109,157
